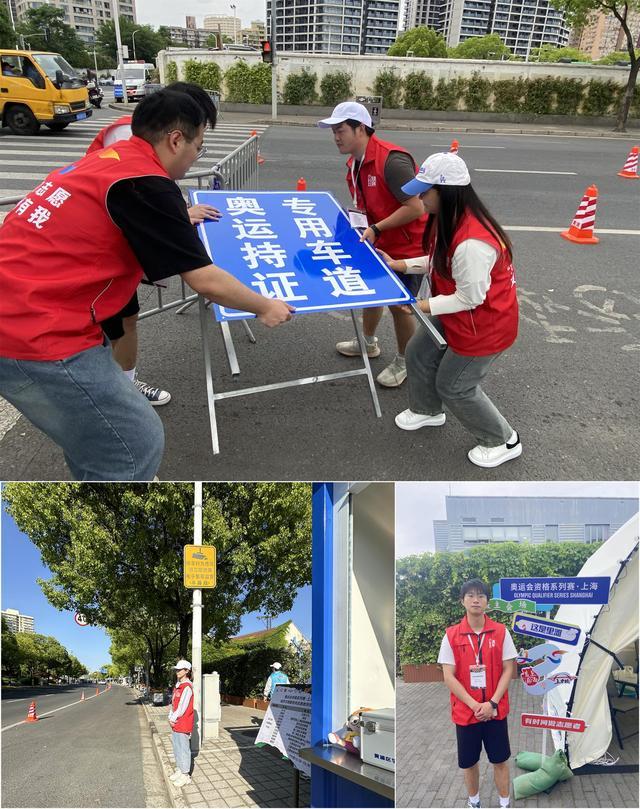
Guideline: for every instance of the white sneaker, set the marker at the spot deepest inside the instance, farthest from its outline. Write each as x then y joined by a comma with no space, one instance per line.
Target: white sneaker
182,781
351,348
408,420
174,775
394,374
494,456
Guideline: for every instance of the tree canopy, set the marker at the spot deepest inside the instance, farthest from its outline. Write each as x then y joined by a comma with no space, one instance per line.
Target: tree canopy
28,655
549,53
45,29
489,46
7,34
422,41
115,553
147,41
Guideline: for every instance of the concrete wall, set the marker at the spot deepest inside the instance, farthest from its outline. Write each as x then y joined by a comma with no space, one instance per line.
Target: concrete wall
363,69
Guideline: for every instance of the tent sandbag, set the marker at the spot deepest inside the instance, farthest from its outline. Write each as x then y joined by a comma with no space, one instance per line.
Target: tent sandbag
551,770
532,761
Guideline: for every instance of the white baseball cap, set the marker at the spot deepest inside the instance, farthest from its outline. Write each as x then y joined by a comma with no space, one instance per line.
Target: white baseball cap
442,168
182,664
348,110
276,666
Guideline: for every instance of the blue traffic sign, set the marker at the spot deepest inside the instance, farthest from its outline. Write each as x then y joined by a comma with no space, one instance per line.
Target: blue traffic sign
296,246
539,607
525,624
558,590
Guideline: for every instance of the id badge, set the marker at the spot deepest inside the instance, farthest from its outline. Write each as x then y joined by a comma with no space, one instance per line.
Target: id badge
358,219
478,676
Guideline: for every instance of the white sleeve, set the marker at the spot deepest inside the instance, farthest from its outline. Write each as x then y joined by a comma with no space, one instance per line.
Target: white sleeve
471,267
445,657
417,266
508,647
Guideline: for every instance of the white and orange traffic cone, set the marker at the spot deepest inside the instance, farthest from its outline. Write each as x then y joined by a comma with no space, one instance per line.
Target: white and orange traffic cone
581,228
31,715
454,147
97,691
630,168
260,157
301,185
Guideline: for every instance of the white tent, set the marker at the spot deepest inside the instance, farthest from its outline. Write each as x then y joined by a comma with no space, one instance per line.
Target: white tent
613,626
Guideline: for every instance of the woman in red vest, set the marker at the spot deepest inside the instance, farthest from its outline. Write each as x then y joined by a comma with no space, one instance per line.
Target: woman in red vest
477,661
181,721
473,300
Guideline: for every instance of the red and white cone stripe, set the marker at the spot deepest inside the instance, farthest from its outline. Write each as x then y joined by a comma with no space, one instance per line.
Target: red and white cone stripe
586,214
632,163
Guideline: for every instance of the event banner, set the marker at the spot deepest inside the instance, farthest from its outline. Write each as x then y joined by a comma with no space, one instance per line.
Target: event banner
298,247
287,724
545,628
543,722
558,590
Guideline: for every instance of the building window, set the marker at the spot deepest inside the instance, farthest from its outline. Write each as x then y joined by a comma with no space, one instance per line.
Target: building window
596,533
473,534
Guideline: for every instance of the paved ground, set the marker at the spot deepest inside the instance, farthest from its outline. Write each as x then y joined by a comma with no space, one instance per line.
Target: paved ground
427,773
230,771
568,385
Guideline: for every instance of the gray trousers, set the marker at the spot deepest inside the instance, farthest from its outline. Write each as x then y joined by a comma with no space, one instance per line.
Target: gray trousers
436,377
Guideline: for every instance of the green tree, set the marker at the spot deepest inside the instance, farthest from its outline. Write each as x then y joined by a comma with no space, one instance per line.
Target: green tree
147,41
616,56
115,552
549,53
212,41
11,653
489,46
7,34
422,41
45,29
577,14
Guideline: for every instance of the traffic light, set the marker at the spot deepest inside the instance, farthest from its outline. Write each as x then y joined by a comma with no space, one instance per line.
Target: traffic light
267,51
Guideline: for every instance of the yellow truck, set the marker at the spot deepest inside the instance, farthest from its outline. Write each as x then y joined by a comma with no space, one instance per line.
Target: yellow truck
40,88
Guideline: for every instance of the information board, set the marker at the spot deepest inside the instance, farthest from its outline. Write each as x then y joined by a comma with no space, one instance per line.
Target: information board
199,567
298,247
558,589
545,628
287,724
545,722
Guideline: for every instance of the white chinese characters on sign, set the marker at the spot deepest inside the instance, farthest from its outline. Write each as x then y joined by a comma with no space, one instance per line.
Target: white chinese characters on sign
331,251
314,226
266,252
253,229
346,281
297,205
242,205
278,285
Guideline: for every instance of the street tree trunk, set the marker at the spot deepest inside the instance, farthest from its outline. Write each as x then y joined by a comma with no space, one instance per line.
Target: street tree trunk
625,106
185,622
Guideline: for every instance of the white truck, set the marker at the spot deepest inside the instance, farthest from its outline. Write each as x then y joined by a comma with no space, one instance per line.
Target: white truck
137,75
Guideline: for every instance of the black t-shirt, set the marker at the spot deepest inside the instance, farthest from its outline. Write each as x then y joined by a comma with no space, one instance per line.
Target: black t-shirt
152,215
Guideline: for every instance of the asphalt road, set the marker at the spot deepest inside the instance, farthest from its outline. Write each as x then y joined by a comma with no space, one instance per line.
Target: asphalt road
569,384
85,755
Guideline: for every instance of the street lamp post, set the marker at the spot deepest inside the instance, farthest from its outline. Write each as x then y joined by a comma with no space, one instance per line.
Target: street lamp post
235,34
133,42
115,13
196,632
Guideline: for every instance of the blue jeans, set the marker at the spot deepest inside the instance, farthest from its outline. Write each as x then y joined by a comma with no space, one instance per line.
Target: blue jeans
85,403
182,751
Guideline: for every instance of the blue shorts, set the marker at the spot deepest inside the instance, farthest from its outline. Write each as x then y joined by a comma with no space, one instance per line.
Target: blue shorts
494,735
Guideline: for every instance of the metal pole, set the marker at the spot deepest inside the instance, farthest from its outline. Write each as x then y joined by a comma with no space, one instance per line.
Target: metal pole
95,64
115,13
196,634
133,42
274,69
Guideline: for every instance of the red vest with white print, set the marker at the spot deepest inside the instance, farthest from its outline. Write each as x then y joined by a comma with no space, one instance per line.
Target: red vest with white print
461,637
64,265
493,325
98,142
185,722
374,197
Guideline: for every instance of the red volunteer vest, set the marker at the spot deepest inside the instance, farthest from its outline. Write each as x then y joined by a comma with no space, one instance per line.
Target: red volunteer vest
493,326
185,722
461,636
64,265
374,197
98,142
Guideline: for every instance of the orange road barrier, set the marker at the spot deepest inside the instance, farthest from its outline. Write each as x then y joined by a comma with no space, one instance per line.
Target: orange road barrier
31,715
630,168
581,228
302,184
454,147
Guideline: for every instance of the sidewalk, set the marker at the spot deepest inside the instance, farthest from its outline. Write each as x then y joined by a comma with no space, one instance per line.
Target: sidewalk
230,771
428,775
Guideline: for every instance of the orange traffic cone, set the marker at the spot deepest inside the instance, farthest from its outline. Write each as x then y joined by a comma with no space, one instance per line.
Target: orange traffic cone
454,147
630,169
97,691
82,697
31,715
581,228
260,157
302,184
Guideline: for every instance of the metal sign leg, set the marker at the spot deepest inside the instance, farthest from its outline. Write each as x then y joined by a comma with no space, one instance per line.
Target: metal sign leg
230,348
367,365
211,400
247,329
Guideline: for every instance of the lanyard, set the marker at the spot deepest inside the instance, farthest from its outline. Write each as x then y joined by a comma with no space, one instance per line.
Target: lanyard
480,642
354,180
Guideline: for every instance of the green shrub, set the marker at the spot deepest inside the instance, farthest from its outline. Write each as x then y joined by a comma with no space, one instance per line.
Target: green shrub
477,93
300,88
206,74
418,91
237,80
259,91
449,93
335,87
634,112
507,95
388,85
538,97
600,97
568,96
171,72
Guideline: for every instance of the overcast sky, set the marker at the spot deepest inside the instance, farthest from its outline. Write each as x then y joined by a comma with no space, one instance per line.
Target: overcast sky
168,12
419,504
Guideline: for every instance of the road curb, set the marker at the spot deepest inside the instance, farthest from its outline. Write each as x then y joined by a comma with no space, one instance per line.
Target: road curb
176,800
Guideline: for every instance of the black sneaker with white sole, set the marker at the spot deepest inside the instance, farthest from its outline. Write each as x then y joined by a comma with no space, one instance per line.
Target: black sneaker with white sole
155,396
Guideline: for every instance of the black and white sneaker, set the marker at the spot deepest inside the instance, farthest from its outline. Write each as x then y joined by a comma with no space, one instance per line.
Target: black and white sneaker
494,456
155,396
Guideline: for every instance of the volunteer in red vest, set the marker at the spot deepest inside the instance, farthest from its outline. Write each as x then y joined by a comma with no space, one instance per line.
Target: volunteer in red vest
122,329
72,253
181,721
473,300
477,661
393,220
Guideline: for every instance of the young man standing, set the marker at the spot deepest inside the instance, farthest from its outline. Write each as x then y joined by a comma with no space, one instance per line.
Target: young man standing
181,721
477,659
377,170
277,677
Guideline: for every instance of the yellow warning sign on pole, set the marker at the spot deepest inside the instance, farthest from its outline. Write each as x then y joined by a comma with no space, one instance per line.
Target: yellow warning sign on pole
199,569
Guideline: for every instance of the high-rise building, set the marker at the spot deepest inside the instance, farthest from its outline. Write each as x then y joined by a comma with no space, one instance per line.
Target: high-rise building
603,34
475,521
17,622
333,26
227,25
191,23
521,24
255,34
86,16
189,37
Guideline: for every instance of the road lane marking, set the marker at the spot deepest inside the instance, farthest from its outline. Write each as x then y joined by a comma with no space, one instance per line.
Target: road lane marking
524,171
468,146
536,229
54,710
